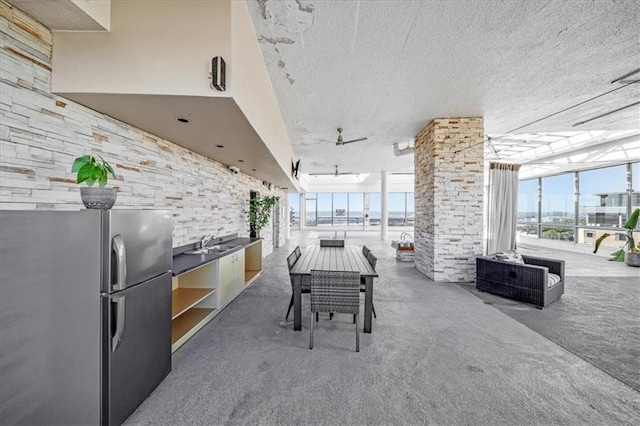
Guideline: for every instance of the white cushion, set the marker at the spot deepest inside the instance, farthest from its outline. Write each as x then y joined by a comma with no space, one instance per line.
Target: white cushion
510,256
553,280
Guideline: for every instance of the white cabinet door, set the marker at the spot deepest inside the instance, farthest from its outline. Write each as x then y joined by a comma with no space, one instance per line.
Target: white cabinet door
239,271
226,284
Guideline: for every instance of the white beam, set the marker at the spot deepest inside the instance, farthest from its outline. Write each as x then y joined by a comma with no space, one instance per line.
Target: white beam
384,201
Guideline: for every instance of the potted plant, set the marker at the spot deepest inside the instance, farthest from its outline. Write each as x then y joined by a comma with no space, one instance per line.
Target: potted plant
260,213
92,170
632,256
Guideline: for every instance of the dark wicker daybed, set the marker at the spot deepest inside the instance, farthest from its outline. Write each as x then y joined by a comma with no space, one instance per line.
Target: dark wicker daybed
528,282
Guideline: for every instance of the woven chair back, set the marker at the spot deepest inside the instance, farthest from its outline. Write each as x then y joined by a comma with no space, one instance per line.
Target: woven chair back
291,259
335,291
331,243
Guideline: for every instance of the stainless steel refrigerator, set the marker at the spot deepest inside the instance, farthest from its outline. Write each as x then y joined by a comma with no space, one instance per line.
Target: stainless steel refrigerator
85,313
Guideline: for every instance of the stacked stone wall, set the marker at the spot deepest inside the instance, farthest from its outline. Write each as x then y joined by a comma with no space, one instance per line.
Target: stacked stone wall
449,175
41,134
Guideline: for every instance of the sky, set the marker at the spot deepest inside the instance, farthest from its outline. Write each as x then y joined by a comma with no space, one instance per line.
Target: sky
557,191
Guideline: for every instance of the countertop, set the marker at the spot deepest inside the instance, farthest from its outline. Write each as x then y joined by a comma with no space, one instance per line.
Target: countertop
186,262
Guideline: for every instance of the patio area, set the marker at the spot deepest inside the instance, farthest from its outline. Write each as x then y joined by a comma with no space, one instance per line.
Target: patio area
437,354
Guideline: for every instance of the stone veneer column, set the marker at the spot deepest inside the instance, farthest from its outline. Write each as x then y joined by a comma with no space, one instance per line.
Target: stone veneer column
449,198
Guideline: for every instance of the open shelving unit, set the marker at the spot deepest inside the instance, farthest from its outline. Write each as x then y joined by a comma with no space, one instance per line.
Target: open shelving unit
194,302
185,324
252,262
200,294
186,298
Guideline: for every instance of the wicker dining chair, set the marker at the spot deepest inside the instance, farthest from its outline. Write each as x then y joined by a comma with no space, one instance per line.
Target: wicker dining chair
372,261
335,291
291,260
331,243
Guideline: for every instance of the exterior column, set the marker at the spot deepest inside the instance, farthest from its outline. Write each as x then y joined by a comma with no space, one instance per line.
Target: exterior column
303,210
287,220
449,193
576,206
365,211
384,206
630,190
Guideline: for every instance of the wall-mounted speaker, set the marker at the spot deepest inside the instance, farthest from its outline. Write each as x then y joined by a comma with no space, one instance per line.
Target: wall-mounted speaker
295,168
218,73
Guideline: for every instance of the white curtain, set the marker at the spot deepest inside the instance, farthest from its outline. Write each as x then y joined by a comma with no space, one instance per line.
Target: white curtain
502,214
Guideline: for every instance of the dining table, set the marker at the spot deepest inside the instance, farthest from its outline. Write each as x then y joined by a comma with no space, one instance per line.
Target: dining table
348,258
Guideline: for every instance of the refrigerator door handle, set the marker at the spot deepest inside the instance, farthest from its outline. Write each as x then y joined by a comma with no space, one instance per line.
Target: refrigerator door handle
119,301
117,245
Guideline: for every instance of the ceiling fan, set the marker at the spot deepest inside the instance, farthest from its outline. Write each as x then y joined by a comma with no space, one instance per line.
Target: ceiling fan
343,173
335,173
340,141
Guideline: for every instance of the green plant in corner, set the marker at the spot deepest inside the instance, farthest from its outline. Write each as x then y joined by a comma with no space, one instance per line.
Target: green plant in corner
260,211
630,225
91,170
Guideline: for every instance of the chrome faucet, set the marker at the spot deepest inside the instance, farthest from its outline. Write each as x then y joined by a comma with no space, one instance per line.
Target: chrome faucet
205,240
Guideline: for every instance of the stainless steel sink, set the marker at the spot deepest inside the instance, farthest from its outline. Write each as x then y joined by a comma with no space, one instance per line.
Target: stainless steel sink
218,249
208,250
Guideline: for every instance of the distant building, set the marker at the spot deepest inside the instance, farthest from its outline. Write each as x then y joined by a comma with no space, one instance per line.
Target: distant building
611,212
612,209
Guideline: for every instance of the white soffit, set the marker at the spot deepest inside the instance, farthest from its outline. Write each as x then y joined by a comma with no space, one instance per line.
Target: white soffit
364,182
68,15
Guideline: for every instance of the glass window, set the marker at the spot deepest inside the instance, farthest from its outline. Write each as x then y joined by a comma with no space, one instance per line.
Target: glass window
603,197
355,214
411,214
324,217
528,207
311,211
397,209
562,233
294,209
340,208
557,207
374,209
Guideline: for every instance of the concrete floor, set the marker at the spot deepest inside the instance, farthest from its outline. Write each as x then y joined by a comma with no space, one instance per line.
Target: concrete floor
437,355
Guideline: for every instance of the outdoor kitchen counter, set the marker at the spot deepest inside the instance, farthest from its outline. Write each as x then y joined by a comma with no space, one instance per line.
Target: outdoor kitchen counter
186,262
204,284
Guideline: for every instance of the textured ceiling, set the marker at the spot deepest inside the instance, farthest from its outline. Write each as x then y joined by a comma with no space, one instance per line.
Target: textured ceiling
384,69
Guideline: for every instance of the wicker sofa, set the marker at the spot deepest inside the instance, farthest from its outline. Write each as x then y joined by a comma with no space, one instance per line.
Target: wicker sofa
528,282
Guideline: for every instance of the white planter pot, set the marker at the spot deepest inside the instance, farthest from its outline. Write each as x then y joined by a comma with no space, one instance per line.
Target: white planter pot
98,198
632,259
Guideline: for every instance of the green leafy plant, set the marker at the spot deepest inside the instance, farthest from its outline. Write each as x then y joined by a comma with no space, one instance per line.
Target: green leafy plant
92,170
260,211
631,245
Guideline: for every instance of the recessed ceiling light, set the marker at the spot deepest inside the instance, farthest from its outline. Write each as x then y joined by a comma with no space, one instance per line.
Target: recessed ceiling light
183,120
219,146
253,170
240,161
